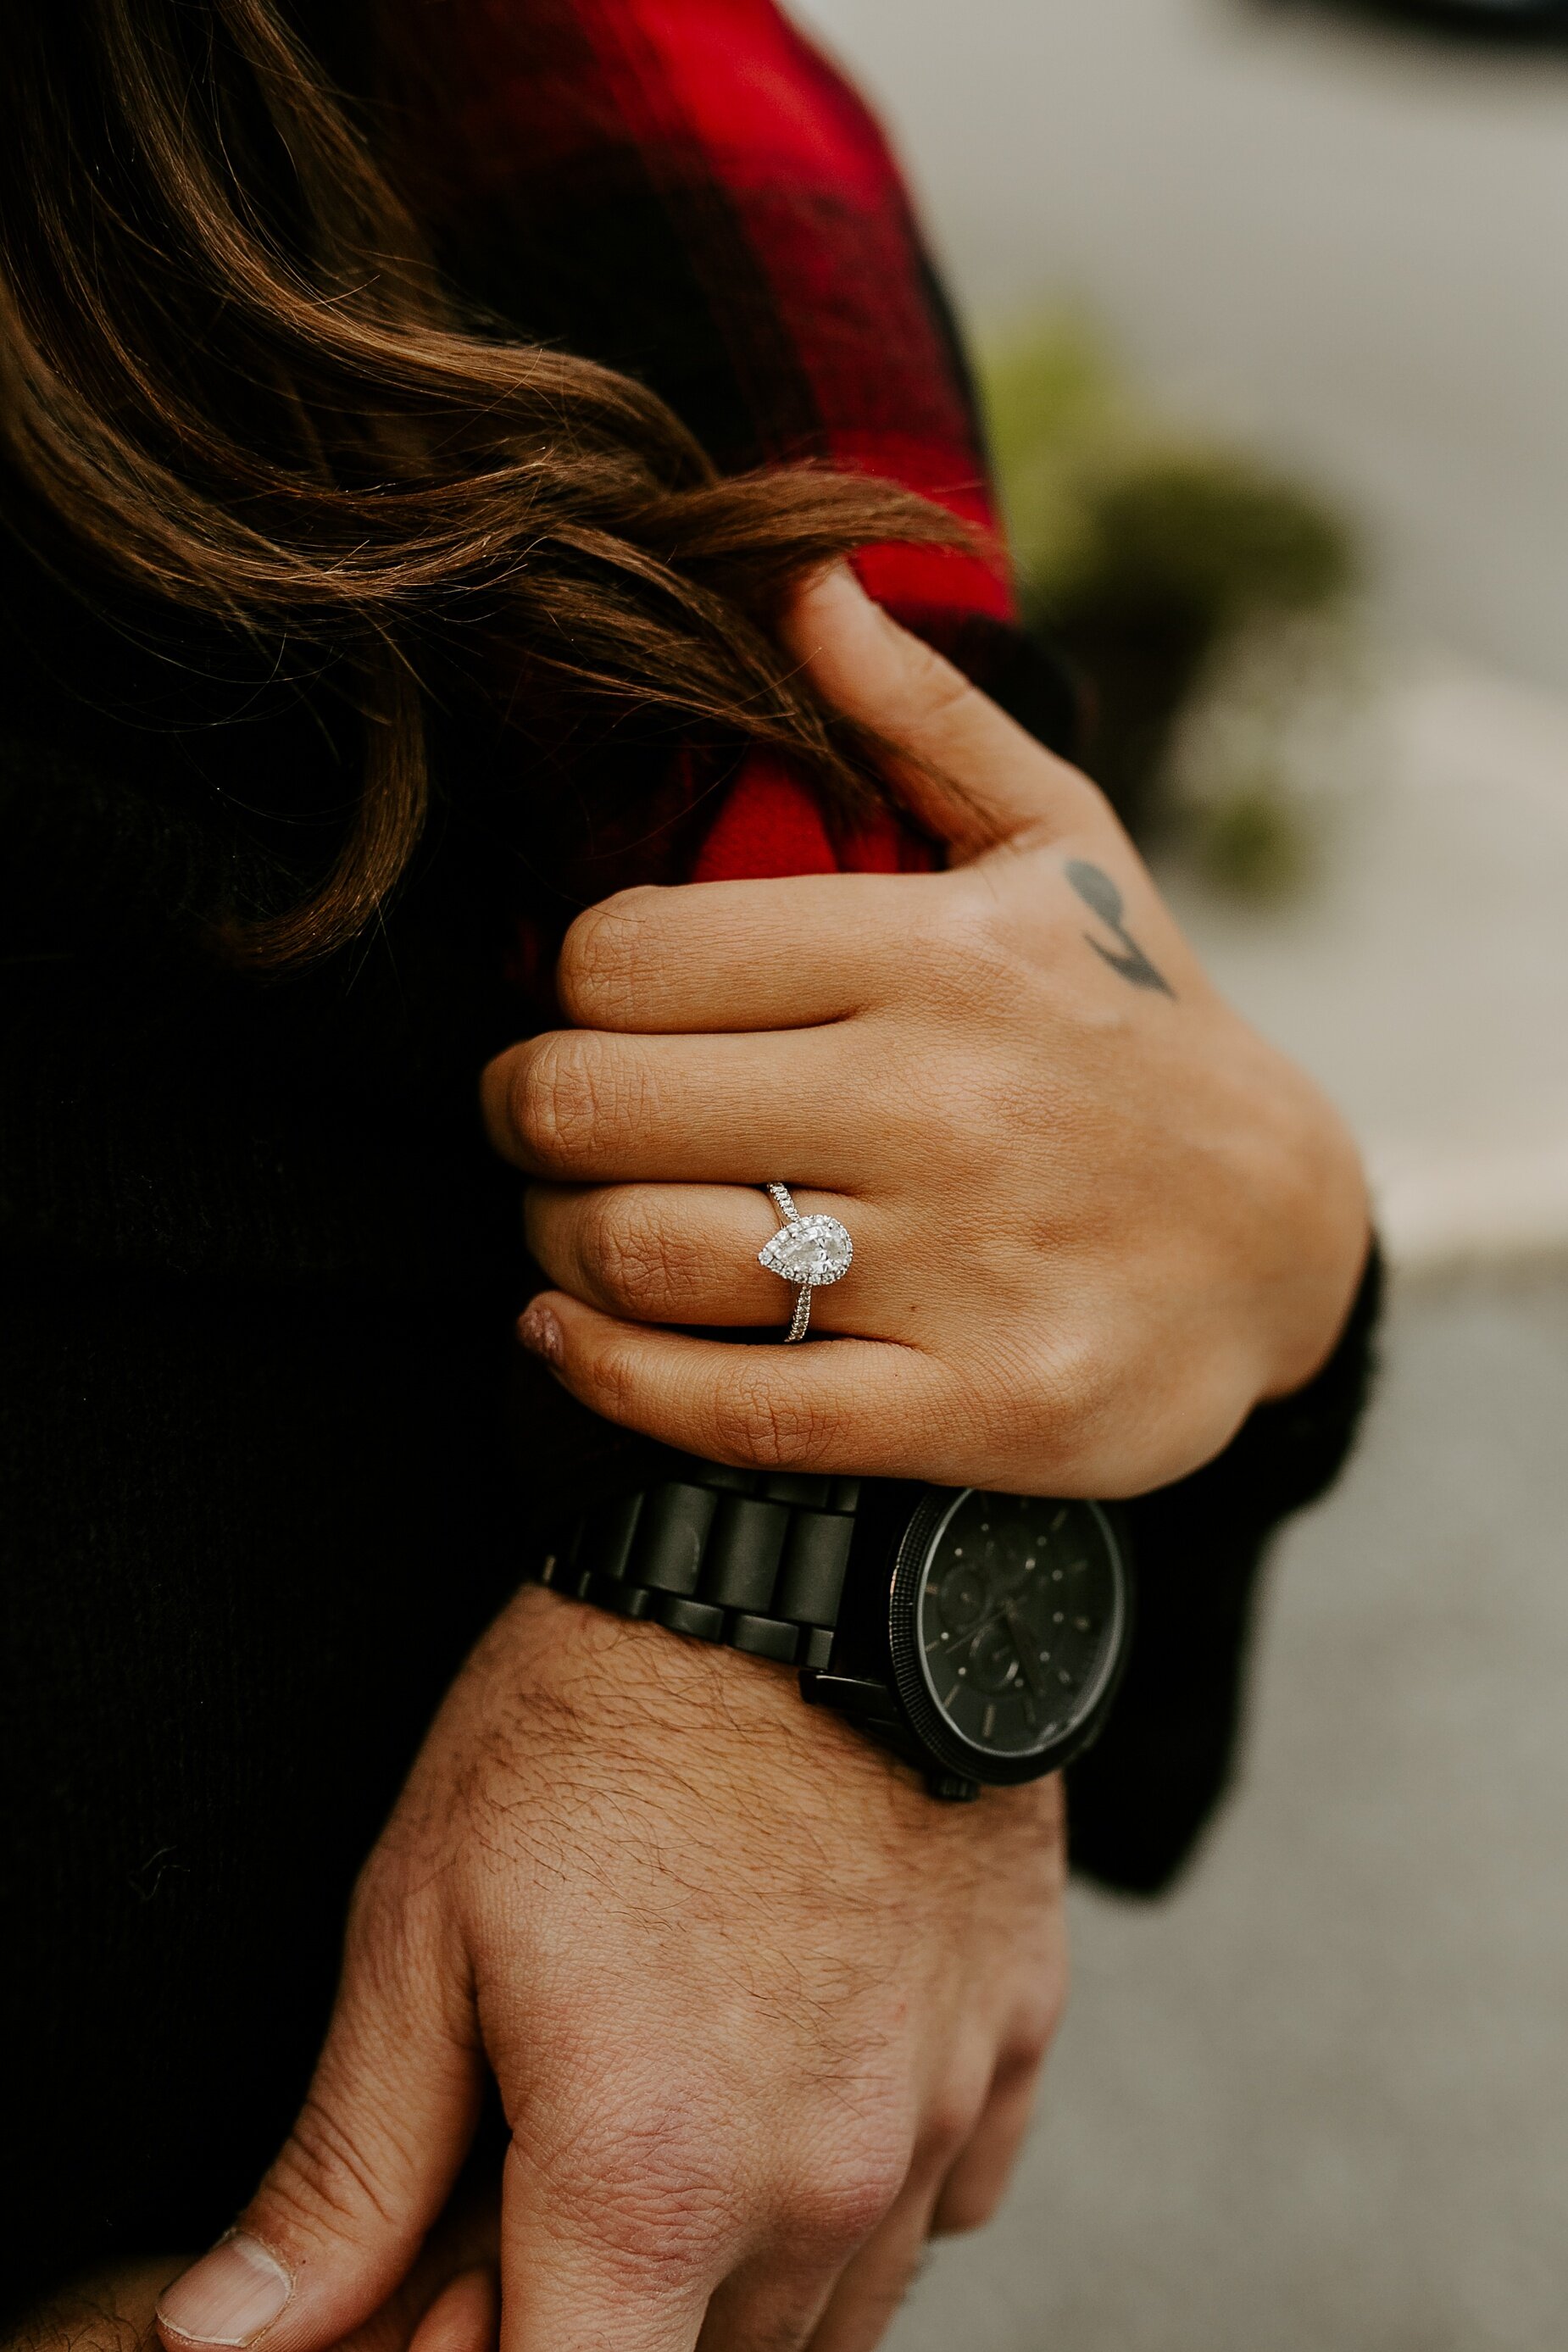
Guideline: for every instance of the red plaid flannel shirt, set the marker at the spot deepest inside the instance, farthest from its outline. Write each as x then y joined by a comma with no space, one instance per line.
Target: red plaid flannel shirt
688,190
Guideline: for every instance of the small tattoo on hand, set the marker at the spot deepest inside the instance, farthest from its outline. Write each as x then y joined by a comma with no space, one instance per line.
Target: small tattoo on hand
1098,891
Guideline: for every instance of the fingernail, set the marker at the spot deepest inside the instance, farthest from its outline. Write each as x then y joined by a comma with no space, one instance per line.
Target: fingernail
540,1333
230,2297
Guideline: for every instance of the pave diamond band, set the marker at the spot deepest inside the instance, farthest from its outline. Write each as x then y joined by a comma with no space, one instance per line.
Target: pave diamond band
810,1251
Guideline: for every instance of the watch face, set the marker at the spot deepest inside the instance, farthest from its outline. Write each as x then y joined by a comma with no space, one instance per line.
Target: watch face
1018,1615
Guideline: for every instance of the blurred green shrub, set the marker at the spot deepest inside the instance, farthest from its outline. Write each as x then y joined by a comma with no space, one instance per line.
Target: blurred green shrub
1145,553
1251,839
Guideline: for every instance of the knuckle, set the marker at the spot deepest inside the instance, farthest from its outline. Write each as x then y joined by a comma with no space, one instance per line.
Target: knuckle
1029,2044
603,956
1054,1401
1079,1400
835,2206
629,1255
996,1401
965,959
761,1426
1038,2021
614,1384
974,1107
657,2230
557,1099
644,2188
949,2123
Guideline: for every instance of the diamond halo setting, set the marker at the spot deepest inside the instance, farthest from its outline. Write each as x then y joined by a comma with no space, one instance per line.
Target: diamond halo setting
814,1249
811,1252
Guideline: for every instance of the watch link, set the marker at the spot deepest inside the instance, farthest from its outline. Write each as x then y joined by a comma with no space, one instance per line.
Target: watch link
981,1637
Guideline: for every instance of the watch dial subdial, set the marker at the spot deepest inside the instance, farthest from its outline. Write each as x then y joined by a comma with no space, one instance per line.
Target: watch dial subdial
961,1598
993,1663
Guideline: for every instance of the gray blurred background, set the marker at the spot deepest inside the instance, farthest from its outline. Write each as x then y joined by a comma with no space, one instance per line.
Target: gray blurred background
1320,2099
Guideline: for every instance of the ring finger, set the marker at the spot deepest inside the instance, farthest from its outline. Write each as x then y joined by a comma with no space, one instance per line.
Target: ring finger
687,1254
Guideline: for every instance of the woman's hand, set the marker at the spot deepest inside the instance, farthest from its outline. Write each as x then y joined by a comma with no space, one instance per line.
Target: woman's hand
762,2016
1096,1217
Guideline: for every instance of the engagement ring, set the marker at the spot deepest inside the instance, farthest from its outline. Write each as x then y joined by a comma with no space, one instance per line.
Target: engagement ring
810,1251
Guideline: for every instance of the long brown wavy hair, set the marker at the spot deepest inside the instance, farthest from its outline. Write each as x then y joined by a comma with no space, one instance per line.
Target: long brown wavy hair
231,382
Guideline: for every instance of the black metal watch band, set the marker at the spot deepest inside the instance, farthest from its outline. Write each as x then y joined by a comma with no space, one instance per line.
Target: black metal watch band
754,1559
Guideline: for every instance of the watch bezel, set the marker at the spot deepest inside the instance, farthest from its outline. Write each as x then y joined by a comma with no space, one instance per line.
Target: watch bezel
947,1748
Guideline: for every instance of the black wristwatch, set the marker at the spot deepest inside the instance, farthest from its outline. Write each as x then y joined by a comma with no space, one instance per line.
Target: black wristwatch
979,1636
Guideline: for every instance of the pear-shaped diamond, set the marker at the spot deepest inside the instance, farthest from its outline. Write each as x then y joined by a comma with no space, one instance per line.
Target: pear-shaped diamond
813,1249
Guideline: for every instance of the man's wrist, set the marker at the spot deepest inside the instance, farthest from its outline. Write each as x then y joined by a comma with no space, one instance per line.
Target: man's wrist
642,1702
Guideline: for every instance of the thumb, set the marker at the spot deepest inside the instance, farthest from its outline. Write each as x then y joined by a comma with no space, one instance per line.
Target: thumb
962,768
340,2217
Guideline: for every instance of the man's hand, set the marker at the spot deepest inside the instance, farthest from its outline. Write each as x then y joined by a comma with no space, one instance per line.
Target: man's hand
447,2303
760,2013
1096,1217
